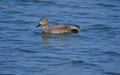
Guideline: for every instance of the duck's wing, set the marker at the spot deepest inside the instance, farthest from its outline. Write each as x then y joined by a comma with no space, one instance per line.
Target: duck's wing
63,28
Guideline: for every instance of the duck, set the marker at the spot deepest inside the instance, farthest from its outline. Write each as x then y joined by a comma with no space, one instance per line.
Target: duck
57,28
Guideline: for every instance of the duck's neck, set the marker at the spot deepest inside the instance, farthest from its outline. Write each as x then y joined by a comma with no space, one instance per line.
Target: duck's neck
45,27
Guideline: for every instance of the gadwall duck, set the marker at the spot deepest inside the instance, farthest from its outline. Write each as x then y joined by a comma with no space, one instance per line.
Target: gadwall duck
58,28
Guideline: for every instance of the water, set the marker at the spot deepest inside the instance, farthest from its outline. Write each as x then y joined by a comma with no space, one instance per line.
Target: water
95,50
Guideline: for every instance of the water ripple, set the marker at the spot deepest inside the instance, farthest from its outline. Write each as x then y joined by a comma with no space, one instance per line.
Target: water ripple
107,5
24,50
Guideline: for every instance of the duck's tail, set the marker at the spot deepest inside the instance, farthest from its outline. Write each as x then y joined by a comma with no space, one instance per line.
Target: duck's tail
77,26
75,29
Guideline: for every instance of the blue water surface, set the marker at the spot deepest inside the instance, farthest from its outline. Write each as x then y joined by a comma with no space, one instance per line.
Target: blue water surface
95,50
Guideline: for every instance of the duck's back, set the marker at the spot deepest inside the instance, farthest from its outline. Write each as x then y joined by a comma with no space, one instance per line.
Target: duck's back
62,28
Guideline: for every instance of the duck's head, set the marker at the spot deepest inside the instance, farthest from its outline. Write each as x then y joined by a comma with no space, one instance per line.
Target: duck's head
43,22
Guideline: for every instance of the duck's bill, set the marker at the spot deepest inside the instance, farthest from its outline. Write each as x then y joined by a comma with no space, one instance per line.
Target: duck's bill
38,25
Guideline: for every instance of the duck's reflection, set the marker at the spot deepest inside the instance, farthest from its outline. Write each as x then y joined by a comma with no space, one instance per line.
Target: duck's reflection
44,37
62,37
